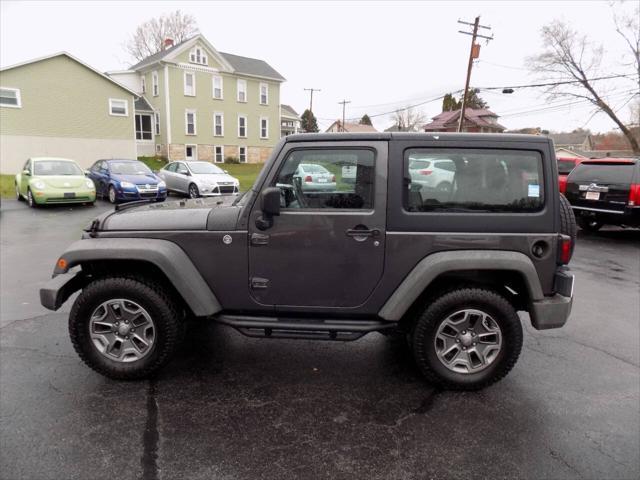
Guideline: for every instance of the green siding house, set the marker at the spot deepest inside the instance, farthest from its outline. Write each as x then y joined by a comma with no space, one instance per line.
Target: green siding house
198,103
59,106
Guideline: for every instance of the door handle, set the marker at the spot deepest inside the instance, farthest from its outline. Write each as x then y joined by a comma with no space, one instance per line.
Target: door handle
356,232
258,239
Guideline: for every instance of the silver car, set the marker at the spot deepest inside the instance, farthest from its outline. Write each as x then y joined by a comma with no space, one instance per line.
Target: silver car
432,174
315,178
198,179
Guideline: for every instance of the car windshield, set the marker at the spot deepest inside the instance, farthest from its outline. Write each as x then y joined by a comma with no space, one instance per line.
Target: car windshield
55,167
129,168
312,168
203,168
419,164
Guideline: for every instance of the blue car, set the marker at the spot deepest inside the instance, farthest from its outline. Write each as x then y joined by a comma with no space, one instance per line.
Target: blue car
122,180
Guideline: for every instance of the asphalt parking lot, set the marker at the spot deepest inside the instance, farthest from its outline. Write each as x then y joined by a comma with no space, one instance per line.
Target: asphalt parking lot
234,407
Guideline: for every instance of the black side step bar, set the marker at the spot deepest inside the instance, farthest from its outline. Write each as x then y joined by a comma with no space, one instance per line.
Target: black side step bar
316,329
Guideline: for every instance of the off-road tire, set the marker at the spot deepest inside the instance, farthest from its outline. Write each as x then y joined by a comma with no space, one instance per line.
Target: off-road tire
568,221
588,224
426,326
148,294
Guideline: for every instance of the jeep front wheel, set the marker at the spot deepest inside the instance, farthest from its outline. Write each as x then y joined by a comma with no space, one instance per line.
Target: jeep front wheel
467,339
124,328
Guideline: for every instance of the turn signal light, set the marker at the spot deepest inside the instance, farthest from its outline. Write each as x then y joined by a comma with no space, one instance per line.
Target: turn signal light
562,183
426,172
308,179
634,195
62,264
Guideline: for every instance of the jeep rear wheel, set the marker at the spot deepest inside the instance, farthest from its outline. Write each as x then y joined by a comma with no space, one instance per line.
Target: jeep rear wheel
467,339
124,328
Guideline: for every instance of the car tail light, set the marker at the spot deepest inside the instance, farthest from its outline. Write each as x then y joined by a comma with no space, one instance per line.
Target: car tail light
425,172
333,178
565,246
634,195
308,179
562,183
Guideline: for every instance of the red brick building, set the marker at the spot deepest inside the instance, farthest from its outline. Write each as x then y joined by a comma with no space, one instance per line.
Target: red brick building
480,120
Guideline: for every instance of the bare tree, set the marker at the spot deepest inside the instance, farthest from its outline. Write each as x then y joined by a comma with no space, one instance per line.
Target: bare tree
408,119
569,57
149,37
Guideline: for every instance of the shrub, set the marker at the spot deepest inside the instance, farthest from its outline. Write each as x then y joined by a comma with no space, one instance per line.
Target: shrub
232,160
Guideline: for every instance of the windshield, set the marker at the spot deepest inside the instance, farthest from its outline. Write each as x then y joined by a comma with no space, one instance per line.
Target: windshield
313,168
55,167
203,168
603,173
418,164
129,168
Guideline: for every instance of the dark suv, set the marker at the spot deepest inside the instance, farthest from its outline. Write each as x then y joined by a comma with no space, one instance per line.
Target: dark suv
605,191
376,252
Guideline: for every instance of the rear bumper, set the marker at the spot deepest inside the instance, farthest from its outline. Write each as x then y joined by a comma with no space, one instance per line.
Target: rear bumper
59,288
554,311
627,216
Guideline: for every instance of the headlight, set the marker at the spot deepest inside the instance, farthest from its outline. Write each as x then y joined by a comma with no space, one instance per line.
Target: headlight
127,185
39,184
162,184
89,184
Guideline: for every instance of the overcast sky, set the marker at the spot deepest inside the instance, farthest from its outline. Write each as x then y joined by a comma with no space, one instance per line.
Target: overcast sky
378,55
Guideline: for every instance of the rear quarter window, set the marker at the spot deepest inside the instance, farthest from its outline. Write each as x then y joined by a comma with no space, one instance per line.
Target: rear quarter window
474,180
565,166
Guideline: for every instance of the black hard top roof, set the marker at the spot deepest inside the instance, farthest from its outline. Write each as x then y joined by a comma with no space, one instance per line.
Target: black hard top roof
445,136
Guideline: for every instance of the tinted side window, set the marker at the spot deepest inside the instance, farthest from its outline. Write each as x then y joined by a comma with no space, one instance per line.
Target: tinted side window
473,180
327,178
171,167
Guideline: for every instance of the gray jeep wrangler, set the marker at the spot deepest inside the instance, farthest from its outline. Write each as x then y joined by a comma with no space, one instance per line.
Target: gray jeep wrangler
443,238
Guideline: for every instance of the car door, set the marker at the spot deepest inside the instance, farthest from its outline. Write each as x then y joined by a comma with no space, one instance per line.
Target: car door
182,177
166,174
23,179
95,174
325,249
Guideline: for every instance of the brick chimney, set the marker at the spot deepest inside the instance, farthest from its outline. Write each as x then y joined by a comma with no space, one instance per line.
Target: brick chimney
168,43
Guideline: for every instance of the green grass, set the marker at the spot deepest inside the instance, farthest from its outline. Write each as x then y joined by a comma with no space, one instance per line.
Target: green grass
7,188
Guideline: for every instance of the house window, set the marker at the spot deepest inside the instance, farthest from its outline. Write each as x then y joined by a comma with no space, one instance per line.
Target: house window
156,118
155,85
218,124
242,154
242,126
118,107
264,127
264,94
143,84
10,97
190,122
190,84
217,87
219,154
242,90
190,154
197,55
143,127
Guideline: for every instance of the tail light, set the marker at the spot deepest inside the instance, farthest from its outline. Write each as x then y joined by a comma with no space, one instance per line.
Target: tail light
565,247
562,183
634,195
333,179
425,172
308,179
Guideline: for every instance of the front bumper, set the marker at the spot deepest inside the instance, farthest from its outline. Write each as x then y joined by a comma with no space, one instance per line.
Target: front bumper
554,311
127,195
56,291
51,196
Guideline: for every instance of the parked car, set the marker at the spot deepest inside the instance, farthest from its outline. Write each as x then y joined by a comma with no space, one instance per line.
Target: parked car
451,277
565,166
47,180
198,179
122,180
605,192
430,174
315,178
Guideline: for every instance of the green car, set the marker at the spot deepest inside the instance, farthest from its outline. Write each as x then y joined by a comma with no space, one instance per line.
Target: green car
47,180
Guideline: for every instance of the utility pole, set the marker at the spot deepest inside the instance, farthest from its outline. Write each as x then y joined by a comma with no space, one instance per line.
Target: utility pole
311,90
473,53
343,103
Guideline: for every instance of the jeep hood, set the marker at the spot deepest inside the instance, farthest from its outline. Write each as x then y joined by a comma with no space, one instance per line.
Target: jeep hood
198,214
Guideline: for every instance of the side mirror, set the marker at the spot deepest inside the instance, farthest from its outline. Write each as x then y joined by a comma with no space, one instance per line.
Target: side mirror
226,171
87,173
26,172
270,206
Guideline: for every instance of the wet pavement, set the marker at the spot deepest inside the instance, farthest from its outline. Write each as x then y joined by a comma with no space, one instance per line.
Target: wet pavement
234,407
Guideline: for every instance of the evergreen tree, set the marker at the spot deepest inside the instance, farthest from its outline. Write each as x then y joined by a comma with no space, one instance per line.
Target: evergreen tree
449,103
365,120
309,122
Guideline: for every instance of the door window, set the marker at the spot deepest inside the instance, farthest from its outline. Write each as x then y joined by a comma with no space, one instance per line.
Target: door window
171,167
327,178
182,169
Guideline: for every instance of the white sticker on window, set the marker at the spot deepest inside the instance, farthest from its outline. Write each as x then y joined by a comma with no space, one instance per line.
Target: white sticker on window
534,191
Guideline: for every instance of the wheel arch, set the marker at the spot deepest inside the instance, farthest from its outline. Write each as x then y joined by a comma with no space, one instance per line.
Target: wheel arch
442,271
141,257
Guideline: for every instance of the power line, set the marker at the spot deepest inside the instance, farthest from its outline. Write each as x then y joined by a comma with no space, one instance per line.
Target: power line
553,84
311,90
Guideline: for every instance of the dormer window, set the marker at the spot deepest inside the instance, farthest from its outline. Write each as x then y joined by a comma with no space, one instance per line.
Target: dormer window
197,55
